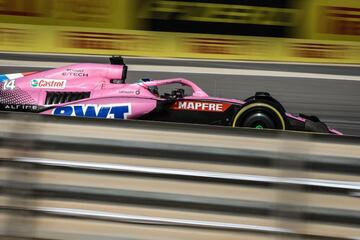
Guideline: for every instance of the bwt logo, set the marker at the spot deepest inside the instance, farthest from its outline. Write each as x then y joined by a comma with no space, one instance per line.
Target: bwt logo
121,111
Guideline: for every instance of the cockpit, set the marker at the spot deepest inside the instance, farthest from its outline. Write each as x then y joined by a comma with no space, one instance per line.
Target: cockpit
176,93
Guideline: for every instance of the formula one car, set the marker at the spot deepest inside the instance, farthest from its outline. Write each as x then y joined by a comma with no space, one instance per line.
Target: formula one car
100,91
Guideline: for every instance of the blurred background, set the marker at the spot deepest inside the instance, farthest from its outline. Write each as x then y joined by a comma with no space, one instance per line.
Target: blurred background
278,30
69,179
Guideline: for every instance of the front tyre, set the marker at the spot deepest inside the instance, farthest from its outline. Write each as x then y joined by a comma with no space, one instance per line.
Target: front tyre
260,115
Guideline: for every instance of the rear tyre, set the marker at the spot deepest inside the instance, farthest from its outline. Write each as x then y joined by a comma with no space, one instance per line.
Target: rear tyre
260,115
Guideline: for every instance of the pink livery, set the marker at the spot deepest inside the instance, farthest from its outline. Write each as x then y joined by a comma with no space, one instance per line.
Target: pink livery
100,91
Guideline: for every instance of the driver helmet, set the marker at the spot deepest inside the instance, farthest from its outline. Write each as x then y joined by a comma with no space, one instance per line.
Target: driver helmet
153,89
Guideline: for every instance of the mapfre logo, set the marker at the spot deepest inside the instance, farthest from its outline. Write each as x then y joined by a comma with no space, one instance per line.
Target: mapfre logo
201,106
48,83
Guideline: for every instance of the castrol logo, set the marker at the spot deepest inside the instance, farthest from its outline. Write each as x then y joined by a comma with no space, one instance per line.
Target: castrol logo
48,83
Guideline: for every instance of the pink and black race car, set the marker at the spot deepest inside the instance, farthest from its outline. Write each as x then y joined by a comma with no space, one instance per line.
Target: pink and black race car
100,91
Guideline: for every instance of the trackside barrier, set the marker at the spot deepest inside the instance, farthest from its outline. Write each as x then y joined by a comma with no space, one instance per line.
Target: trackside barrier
65,178
87,40
283,30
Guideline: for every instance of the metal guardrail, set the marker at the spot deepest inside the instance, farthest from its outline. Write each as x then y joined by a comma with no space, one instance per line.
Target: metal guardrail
151,181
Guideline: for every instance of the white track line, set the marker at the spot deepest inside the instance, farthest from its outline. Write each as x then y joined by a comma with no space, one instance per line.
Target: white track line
34,64
241,72
187,59
194,70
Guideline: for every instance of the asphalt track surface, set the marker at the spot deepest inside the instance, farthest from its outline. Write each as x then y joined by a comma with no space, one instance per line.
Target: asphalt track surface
336,102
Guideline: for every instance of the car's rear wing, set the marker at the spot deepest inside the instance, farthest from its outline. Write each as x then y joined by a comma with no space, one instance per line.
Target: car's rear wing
118,60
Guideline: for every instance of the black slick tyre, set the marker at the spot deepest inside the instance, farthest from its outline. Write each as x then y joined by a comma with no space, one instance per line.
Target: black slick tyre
260,115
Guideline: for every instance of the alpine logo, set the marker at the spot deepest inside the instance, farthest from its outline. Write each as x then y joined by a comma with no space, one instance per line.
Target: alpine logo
48,83
201,106
118,111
